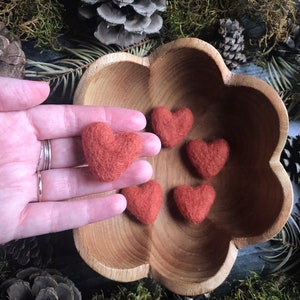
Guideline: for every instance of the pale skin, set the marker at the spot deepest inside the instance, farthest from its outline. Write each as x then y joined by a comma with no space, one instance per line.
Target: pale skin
24,123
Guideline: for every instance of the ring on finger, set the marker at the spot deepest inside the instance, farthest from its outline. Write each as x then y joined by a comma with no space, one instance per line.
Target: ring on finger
39,187
44,162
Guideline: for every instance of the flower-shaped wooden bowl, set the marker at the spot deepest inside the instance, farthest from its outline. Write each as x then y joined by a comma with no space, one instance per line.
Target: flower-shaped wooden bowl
254,193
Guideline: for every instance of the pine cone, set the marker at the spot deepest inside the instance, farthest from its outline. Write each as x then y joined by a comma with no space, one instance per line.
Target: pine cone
231,44
124,22
33,251
37,284
290,158
12,57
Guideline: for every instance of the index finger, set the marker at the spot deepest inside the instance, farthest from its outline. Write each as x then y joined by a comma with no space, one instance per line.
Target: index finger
59,121
17,94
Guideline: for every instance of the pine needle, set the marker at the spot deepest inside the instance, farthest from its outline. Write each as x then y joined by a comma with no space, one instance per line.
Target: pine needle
64,74
285,252
292,103
281,73
283,76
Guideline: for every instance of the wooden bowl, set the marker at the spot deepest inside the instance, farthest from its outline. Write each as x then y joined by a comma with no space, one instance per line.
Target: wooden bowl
254,193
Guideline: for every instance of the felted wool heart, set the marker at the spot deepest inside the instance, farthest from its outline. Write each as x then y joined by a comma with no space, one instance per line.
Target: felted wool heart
109,154
194,203
170,127
144,201
208,158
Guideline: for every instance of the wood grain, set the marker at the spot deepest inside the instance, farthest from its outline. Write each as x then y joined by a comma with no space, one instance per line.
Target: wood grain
254,193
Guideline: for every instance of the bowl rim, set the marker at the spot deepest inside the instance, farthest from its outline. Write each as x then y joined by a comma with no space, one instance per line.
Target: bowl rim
229,79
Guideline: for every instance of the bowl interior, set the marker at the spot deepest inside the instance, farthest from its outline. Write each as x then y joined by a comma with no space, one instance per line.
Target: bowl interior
123,248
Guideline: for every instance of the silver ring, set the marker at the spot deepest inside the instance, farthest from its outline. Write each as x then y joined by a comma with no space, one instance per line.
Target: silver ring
40,186
44,162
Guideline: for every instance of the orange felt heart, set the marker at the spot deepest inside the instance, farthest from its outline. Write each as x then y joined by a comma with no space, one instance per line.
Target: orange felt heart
109,154
170,127
144,201
208,158
194,203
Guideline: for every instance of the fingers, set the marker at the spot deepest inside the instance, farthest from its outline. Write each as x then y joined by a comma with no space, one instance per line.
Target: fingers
19,94
69,120
151,144
67,152
61,184
45,217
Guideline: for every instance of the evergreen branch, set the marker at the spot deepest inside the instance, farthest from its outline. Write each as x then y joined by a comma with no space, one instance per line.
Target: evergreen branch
285,252
64,74
291,101
283,76
142,49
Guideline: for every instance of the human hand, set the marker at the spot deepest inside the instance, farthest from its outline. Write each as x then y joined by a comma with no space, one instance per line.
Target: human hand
24,124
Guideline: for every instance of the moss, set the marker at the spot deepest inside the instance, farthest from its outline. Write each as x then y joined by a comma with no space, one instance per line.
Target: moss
189,18
140,290
40,20
275,16
275,287
199,18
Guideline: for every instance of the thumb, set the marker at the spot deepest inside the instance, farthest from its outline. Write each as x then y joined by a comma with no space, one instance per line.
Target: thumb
17,94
